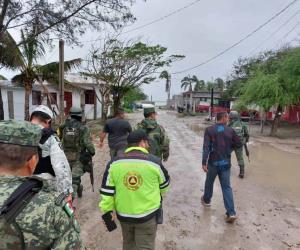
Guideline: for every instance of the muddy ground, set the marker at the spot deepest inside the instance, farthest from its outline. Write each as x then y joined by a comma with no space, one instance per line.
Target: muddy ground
267,200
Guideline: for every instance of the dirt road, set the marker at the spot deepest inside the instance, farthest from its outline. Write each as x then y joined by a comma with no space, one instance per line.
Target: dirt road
267,200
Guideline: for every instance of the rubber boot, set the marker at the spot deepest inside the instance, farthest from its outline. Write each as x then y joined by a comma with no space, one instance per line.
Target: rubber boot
79,191
242,172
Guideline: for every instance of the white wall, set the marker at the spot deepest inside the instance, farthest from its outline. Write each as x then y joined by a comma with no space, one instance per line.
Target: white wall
19,96
89,108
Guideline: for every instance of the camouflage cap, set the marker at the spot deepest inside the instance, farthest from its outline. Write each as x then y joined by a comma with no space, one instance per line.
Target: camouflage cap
76,111
20,133
233,114
148,111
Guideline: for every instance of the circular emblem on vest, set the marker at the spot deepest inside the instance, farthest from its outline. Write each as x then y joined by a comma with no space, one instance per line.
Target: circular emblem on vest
133,181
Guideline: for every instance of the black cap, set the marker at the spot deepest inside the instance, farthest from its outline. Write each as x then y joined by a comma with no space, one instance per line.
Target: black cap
137,136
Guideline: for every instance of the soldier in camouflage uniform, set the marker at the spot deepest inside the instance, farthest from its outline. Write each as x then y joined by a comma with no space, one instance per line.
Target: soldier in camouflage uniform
158,140
76,141
53,164
242,131
44,222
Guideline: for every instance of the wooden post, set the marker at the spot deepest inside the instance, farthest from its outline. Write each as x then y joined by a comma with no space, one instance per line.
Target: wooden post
169,92
95,105
10,100
211,103
61,82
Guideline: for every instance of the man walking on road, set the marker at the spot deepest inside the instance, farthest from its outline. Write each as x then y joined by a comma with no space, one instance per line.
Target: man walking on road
53,164
117,129
76,140
242,131
219,142
132,185
158,140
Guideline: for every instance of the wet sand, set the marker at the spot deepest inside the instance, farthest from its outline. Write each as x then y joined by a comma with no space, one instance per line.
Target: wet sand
267,200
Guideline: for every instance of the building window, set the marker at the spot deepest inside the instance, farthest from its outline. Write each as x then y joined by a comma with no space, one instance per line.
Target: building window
36,97
89,97
53,98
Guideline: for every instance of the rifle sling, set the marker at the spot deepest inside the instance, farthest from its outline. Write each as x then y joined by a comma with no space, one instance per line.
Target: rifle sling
18,200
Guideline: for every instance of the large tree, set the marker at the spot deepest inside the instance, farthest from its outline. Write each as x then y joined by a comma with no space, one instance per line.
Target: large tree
61,18
274,83
127,65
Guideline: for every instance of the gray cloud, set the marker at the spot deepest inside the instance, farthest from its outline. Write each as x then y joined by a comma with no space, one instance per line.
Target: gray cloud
200,32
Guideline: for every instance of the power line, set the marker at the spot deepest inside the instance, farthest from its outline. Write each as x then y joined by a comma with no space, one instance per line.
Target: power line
151,22
275,32
238,42
290,31
163,17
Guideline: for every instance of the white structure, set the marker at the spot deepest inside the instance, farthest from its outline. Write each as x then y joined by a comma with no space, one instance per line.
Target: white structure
84,94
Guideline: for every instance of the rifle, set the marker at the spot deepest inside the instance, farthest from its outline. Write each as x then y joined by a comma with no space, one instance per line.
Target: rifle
247,151
92,176
88,166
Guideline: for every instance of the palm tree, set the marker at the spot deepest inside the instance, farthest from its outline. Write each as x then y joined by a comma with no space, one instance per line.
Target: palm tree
199,84
10,58
32,72
165,75
187,83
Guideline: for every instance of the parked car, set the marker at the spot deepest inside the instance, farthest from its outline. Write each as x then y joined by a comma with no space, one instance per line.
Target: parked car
202,108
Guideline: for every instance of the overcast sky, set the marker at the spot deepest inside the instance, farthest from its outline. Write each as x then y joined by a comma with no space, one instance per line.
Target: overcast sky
200,32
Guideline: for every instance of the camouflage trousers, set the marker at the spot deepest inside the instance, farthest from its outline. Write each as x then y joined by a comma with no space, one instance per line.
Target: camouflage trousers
77,172
240,158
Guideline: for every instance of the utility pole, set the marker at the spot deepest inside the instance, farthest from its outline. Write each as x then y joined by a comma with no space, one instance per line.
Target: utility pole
61,81
169,92
211,103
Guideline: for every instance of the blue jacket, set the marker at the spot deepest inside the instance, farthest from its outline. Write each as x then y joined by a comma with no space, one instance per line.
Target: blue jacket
219,142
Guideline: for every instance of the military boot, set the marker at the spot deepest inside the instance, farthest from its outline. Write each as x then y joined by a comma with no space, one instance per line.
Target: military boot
242,172
79,191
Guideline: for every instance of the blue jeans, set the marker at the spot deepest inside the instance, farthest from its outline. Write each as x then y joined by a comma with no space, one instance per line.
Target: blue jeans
224,177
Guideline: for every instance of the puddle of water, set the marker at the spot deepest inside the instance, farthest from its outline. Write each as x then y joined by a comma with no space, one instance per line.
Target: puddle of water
274,168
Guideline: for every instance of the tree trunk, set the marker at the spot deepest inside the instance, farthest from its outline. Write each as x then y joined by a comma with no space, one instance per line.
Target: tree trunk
1,107
276,121
262,121
26,104
117,103
105,105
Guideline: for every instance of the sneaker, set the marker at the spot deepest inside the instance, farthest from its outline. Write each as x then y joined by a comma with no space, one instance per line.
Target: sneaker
242,173
230,218
204,203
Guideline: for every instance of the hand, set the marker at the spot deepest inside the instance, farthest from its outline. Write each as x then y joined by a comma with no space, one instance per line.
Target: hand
205,168
69,198
100,145
113,216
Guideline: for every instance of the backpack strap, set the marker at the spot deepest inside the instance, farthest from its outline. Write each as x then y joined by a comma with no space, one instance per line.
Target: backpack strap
18,200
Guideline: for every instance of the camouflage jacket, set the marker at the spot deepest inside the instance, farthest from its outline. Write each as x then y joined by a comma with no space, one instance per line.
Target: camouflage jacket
86,143
60,164
241,130
43,222
158,139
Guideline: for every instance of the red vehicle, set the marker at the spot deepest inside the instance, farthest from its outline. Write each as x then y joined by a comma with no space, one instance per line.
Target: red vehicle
202,108
206,108
218,109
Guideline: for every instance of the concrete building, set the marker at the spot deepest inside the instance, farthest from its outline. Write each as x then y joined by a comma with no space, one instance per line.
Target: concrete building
82,93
